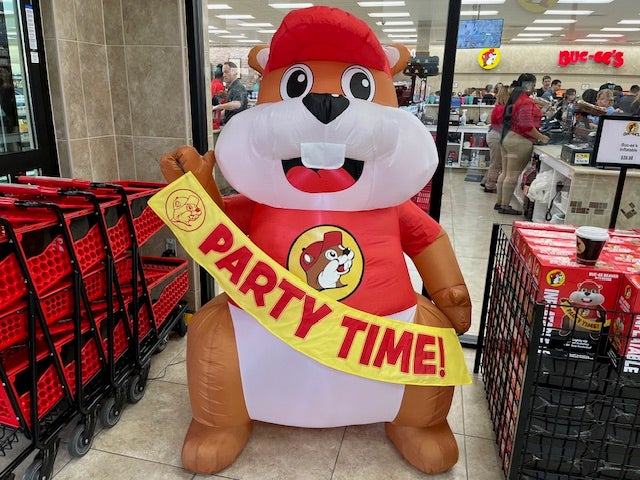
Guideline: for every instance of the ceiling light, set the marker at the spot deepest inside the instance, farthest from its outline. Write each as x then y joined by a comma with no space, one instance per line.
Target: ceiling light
388,14
527,39
482,2
398,30
534,34
621,29
543,29
605,35
246,40
404,35
629,22
568,12
395,23
404,40
266,31
585,1
218,6
475,13
249,24
381,4
232,36
567,20
598,40
291,5
217,31
235,17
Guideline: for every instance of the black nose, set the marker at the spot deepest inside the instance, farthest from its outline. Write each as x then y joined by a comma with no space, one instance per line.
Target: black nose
346,251
324,106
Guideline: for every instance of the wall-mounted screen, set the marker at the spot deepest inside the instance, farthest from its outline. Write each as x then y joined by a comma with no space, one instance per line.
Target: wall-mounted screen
485,33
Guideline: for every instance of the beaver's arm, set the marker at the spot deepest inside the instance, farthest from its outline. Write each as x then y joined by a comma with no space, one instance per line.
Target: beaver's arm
187,159
438,267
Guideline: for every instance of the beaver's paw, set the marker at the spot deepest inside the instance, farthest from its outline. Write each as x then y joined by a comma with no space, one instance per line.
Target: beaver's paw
208,449
430,449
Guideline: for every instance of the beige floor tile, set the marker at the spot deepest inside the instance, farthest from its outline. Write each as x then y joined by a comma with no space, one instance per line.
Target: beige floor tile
456,413
153,429
482,459
477,422
99,465
170,364
276,452
367,454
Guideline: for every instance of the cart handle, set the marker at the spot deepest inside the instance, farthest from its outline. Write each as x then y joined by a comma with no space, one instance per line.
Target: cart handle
54,181
32,189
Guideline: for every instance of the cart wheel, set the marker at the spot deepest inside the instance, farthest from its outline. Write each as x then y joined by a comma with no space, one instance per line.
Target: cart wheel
181,326
109,413
79,443
33,470
162,344
138,384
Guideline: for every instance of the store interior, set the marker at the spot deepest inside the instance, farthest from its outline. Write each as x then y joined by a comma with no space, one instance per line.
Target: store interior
585,44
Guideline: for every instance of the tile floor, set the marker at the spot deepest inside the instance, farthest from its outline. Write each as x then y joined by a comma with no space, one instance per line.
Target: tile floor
147,440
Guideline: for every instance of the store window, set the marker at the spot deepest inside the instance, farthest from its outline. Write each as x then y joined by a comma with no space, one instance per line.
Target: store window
26,139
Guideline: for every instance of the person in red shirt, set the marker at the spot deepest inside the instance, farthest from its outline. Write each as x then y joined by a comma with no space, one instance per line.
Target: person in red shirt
489,182
520,124
216,85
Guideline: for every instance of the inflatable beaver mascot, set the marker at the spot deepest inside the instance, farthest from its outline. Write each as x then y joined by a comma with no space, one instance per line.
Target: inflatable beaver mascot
325,164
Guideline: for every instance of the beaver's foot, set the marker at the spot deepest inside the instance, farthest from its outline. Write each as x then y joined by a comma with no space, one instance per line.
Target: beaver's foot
208,449
430,449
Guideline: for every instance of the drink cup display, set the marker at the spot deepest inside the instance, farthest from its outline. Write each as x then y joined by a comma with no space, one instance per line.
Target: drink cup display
589,243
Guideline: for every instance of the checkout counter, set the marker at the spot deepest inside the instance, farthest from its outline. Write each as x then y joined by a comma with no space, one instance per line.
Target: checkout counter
584,195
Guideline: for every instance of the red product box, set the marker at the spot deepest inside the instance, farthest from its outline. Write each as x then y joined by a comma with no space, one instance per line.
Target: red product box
579,301
625,328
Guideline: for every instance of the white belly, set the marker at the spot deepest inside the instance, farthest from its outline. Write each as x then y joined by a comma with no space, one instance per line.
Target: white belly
283,386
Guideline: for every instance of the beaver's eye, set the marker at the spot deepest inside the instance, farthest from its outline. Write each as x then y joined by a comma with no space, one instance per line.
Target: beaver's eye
331,255
357,82
296,81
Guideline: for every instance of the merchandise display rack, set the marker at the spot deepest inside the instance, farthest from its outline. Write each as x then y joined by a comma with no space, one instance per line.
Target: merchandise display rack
81,312
557,415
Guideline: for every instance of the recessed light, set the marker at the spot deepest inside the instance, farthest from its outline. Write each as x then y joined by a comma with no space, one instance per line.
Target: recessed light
404,35
398,30
598,40
246,40
475,13
395,23
257,24
291,5
605,35
534,34
217,31
266,31
404,40
527,39
568,12
543,29
388,14
629,22
558,20
621,29
218,6
232,36
235,17
399,3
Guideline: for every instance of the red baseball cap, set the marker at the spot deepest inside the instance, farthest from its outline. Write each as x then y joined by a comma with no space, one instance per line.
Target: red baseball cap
314,250
325,33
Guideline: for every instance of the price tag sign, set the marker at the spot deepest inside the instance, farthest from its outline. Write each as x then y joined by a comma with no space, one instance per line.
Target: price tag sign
617,142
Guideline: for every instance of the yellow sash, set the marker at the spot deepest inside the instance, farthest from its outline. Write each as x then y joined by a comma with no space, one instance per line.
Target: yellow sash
324,329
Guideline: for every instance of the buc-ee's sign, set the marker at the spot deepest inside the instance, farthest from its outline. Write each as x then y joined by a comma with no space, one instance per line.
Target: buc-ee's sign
614,58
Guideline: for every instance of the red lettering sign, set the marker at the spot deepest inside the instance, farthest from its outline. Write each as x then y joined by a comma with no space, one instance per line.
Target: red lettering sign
611,57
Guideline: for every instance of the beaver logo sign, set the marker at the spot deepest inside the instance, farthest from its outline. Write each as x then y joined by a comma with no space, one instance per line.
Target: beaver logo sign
329,259
185,210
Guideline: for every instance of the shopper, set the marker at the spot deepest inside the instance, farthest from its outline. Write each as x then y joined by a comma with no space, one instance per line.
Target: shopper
489,182
551,95
625,101
546,84
520,124
217,87
237,100
605,100
565,112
